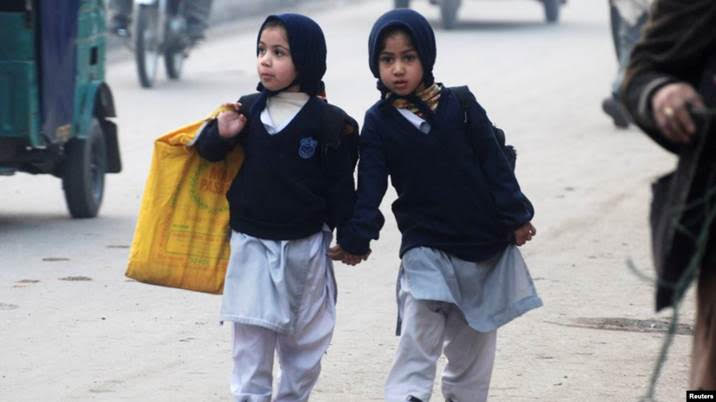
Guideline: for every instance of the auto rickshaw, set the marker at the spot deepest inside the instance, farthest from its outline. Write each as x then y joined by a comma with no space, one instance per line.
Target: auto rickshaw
55,106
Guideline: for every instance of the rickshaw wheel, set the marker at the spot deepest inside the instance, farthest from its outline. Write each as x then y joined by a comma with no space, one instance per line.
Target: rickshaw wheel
551,10
448,12
146,46
173,61
83,176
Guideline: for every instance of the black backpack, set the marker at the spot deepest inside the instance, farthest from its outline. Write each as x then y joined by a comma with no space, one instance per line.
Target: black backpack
340,128
465,96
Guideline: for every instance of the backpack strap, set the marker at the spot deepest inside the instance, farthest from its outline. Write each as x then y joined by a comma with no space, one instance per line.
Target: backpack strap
333,119
465,96
247,103
337,125
332,122
338,128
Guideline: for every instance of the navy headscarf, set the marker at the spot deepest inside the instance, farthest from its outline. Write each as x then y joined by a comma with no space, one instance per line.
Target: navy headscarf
421,34
308,51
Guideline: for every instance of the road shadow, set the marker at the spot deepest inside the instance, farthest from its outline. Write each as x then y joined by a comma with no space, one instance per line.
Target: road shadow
57,224
536,25
9,220
627,324
463,24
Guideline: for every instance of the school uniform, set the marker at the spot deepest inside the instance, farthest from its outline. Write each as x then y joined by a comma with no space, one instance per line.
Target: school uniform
280,296
447,303
289,194
461,277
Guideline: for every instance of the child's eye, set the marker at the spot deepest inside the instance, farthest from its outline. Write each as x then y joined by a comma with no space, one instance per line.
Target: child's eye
410,57
279,52
262,50
386,59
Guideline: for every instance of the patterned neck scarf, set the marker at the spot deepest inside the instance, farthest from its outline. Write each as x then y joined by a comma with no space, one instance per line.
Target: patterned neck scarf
429,97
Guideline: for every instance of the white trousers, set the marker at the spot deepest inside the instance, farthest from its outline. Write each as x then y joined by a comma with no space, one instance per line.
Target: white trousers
428,329
299,351
299,356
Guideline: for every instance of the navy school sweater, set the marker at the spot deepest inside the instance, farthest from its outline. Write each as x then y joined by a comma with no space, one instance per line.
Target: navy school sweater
290,184
455,196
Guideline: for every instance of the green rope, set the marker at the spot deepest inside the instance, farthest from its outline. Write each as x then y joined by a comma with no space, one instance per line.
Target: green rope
706,116
680,289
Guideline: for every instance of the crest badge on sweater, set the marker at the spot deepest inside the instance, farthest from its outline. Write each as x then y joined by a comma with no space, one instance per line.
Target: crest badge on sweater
307,147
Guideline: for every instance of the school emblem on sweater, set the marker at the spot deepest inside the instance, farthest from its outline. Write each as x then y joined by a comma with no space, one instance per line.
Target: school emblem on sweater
307,147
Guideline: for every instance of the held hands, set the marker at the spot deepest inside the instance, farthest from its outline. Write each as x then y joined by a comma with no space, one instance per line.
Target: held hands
671,113
230,121
337,253
524,233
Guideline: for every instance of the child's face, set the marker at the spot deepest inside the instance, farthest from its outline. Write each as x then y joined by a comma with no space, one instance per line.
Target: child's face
399,65
274,63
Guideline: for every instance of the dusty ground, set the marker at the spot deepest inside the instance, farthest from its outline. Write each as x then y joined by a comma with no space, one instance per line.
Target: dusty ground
72,328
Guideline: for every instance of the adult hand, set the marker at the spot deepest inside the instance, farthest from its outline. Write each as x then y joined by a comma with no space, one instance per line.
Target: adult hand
671,113
230,121
524,233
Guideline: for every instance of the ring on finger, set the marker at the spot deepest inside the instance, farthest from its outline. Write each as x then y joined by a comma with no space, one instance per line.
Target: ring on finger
668,111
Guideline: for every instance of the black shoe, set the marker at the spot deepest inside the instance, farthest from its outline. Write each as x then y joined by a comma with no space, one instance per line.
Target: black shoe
119,26
195,40
195,32
617,112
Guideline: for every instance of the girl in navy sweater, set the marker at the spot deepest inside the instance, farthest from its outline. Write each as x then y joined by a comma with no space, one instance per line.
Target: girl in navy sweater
459,209
295,186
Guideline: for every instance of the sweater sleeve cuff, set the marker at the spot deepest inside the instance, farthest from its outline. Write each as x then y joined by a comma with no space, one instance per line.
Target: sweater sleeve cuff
212,133
352,244
644,107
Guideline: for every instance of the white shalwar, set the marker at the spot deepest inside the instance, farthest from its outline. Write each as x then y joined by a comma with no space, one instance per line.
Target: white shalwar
280,296
449,305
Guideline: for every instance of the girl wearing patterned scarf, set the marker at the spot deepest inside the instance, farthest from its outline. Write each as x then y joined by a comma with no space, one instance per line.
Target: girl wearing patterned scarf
460,211
415,88
294,187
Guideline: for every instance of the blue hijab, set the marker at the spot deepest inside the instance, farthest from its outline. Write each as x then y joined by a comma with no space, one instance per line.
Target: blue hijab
421,34
308,51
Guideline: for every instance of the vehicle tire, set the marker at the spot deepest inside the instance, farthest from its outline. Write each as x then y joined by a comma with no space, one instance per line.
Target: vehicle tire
551,10
83,174
448,13
173,61
146,44
401,3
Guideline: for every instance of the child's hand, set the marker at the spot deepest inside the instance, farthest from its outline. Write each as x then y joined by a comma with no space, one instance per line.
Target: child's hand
231,122
337,253
524,233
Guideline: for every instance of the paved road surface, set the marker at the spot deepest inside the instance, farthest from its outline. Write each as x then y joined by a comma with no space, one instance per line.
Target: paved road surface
72,328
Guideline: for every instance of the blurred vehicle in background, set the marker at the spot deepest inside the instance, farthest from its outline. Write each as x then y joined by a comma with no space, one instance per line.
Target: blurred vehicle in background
160,29
54,102
449,9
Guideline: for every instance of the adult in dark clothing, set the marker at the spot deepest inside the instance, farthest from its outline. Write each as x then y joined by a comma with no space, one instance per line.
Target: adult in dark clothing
669,82
627,18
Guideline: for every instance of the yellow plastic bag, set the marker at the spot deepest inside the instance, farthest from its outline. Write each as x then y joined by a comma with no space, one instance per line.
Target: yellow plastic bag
182,235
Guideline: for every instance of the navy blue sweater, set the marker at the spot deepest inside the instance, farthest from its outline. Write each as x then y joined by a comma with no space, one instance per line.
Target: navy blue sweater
290,183
455,196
